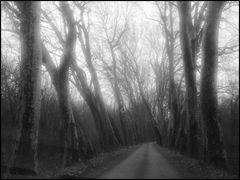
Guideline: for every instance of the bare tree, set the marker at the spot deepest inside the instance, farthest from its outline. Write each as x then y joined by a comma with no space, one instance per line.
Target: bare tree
209,104
113,38
60,80
189,70
24,159
105,130
149,73
135,67
170,37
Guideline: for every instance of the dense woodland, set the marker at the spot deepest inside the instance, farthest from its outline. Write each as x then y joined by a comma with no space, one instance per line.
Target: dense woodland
80,78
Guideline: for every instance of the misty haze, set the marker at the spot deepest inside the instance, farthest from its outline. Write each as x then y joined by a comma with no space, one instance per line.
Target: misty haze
120,89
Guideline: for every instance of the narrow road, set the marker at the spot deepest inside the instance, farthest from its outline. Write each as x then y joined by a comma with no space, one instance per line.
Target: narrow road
146,162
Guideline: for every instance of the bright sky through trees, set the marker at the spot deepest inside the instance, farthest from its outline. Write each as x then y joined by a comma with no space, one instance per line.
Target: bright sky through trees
142,20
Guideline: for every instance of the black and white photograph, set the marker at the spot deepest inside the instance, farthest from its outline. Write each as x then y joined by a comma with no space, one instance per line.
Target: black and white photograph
119,89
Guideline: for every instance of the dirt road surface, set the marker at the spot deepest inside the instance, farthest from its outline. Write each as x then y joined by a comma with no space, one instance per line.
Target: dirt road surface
146,162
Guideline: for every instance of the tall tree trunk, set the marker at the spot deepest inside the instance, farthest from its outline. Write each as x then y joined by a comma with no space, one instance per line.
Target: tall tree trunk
172,96
95,107
173,105
209,104
189,70
181,138
71,146
118,96
106,132
60,80
24,159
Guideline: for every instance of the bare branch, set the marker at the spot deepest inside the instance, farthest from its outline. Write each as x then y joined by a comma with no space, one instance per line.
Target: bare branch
54,27
228,50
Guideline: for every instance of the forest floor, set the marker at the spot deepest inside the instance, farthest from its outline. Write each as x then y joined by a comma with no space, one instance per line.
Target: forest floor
147,160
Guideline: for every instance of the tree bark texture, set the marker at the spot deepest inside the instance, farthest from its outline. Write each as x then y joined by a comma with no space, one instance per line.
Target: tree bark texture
209,104
191,90
24,160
